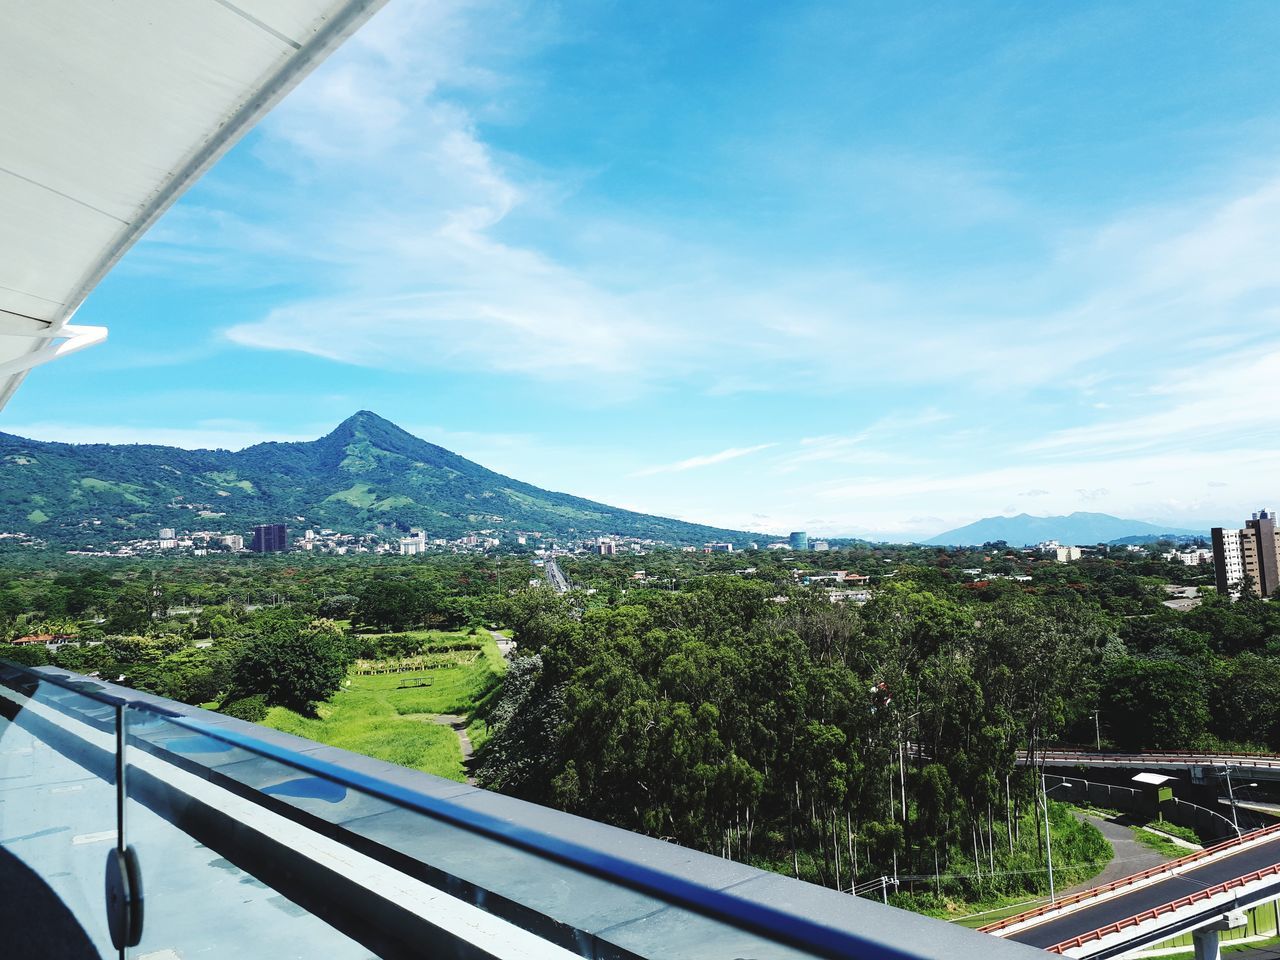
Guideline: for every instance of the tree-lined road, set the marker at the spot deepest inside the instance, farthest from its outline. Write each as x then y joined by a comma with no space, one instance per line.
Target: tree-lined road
556,577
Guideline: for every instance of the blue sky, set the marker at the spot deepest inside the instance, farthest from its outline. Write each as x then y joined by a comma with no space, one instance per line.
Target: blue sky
874,268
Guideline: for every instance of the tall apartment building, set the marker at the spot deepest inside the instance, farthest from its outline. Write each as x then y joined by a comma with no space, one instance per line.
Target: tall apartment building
270,538
1252,552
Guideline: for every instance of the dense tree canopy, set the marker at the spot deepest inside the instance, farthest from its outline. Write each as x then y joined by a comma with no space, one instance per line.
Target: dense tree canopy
722,700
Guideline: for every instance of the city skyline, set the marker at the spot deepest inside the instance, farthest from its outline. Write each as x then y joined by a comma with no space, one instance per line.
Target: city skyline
740,268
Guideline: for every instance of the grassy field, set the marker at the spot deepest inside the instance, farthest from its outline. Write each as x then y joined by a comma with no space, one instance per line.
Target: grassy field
381,717
1159,844
1079,853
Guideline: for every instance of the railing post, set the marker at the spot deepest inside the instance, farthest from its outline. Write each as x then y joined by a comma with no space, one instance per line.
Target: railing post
123,883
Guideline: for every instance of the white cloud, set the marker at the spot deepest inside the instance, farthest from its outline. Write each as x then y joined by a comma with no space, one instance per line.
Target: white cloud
705,460
381,166
1208,404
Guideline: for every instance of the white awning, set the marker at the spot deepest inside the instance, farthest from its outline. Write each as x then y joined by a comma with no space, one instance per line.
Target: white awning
108,112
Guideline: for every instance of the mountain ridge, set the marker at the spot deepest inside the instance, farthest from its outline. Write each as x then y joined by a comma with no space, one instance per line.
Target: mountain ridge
1080,527
366,475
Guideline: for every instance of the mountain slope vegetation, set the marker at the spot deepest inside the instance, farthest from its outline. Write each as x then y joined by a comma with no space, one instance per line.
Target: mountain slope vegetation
368,475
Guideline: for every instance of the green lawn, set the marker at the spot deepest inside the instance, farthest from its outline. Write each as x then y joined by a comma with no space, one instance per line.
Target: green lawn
998,909
373,715
1159,844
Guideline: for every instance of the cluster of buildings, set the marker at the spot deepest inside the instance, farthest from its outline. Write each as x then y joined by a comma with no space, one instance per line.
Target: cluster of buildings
275,538
1250,555
1059,552
264,538
717,548
799,541
417,542
1190,558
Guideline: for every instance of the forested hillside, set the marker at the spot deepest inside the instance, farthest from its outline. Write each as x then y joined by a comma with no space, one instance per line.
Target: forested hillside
367,475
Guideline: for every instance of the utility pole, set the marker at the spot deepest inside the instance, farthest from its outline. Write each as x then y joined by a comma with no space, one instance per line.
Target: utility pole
1097,728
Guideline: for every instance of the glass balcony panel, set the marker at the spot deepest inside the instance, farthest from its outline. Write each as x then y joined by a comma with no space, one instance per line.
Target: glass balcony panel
440,877
57,818
213,855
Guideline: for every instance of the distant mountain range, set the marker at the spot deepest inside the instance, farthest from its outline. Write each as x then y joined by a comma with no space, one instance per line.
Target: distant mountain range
368,475
1079,528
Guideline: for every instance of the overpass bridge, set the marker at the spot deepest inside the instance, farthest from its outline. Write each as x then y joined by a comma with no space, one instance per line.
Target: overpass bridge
1203,894
1259,766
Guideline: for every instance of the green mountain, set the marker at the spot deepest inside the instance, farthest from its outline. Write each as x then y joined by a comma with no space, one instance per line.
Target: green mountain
1079,528
368,475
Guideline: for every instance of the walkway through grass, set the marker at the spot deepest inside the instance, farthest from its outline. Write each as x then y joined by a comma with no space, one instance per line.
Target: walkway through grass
385,716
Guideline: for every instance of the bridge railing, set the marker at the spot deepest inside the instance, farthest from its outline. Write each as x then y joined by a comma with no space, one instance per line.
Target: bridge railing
1069,754
1172,907
1106,888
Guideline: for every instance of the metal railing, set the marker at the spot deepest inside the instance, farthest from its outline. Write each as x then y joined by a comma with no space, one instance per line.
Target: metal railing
1165,868
1068,755
157,756
1172,907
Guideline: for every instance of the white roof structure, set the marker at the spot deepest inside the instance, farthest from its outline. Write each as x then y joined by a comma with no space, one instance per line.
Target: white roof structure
109,111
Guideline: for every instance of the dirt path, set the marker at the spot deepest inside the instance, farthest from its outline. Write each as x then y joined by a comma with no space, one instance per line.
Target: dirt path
1131,856
506,646
459,725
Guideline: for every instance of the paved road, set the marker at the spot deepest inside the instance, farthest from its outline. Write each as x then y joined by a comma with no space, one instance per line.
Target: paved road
1058,929
555,576
1255,953
1131,856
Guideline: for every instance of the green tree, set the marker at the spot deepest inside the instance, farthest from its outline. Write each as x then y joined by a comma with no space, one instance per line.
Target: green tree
1156,703
293,663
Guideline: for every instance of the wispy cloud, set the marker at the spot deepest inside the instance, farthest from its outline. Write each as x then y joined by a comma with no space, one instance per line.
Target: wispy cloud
705,460
1212,405
922,323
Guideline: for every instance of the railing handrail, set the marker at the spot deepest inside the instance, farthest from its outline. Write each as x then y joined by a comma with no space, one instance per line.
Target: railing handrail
1098,891
671,888
1193,757
1172,907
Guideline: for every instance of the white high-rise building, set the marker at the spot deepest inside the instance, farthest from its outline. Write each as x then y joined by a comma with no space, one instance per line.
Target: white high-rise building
1252,551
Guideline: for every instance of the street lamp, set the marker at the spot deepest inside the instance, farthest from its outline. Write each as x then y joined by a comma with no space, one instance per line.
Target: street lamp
1048,840
1235,819
1231,794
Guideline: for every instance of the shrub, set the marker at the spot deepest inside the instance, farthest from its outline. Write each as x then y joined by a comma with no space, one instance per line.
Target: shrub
252,708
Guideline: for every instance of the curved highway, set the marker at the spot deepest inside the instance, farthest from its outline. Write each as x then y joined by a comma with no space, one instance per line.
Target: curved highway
1059,927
